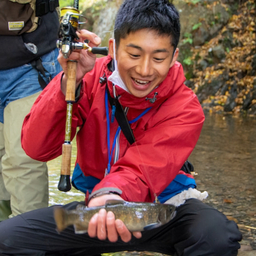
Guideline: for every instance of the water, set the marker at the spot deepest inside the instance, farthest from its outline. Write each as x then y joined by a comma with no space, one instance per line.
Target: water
56,196
225,161
225,165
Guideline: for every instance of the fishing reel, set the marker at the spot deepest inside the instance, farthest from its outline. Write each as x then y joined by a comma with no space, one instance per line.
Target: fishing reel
68,27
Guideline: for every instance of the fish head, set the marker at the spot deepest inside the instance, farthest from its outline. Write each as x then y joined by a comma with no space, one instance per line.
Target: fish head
167,212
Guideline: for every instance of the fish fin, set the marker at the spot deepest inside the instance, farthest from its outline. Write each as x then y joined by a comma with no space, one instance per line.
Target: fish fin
151,226
59,216
114,201
79,229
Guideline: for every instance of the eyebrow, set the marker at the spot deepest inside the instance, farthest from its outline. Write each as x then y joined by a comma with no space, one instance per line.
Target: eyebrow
139,48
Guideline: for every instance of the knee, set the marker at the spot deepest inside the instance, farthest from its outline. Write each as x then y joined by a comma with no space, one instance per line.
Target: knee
211,231
6,235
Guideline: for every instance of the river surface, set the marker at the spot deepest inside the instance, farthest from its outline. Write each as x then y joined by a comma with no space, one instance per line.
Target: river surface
225,166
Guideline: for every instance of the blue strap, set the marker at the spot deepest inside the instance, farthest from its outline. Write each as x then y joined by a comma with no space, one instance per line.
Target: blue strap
110,152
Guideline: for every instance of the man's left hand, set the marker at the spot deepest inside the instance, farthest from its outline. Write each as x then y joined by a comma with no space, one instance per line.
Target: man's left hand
104,225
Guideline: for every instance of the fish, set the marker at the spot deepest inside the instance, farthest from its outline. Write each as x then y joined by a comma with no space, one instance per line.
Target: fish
136,216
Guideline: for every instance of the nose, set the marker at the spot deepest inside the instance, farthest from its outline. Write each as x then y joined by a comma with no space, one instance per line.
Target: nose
144,67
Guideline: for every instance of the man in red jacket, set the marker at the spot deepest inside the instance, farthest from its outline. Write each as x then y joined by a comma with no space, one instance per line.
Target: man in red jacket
164,122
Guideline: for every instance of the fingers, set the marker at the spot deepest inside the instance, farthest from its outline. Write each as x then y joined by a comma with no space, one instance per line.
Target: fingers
123,232
63,61
104,225
101,228
138,234
92,228
97,225
93,38
111,227
82,34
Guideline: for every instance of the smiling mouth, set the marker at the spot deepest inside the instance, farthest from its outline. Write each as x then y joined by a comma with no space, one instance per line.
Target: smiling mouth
140,82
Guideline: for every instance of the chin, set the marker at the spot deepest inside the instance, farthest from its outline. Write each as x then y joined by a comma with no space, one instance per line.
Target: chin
139,94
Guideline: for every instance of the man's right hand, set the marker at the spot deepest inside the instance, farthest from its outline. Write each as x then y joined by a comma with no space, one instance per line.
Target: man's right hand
85,59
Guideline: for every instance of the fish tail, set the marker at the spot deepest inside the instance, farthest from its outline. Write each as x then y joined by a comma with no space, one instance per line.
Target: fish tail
60,216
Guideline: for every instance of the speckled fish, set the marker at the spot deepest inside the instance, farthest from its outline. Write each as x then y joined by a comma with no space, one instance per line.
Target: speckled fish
136,216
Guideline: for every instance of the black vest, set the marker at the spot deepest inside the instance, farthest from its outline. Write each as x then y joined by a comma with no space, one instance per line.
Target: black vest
14,53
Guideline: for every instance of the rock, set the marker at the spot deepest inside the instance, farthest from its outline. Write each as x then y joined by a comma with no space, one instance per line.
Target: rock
253,244
203,64
219,52
200,35
230,104
245,248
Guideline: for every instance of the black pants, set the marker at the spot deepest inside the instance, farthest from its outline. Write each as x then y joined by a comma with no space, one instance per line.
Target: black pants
197,229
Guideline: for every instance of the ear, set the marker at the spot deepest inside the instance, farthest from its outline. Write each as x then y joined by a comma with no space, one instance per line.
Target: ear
110,47
175,57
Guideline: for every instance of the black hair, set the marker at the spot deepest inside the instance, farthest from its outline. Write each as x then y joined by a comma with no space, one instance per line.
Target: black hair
158,15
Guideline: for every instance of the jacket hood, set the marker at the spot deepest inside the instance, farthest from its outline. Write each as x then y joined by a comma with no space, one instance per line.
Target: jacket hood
174,79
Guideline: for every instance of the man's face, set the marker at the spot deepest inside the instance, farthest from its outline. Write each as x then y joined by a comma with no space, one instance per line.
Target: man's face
144,59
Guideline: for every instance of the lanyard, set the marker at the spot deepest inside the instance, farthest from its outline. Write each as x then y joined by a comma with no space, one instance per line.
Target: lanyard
110,152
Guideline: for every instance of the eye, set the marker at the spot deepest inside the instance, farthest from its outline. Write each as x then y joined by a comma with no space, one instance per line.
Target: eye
134,56
159,59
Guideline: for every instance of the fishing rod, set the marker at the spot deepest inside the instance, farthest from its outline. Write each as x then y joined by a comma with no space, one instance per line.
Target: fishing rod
67,43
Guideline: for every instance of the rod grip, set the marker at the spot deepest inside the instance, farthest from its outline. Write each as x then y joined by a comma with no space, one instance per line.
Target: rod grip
71,81
64,182
100,50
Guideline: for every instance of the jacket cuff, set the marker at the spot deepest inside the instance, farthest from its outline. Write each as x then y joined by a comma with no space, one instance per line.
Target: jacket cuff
105,191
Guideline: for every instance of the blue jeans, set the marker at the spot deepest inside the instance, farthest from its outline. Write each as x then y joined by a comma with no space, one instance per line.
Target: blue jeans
20,82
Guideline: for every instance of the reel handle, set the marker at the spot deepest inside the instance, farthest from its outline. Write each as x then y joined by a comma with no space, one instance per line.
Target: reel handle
100,50
64,182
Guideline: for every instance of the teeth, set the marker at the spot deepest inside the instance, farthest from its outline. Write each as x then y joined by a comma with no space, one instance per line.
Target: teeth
141,82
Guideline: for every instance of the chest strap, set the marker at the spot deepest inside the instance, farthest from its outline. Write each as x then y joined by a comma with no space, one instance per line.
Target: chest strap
121,118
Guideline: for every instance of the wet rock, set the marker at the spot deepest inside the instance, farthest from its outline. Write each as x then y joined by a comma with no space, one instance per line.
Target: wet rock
230,104
209,88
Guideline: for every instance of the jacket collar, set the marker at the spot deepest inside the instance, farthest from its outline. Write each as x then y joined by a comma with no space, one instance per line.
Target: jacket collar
174,79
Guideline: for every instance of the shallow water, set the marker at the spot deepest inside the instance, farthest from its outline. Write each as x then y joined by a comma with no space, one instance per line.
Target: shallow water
56,196
225,161
225,164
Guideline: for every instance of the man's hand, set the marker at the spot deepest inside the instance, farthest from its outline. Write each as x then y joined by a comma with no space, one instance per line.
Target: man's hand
104,225
85,59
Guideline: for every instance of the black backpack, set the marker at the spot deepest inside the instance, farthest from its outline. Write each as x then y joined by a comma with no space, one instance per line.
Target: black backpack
23,16
28,30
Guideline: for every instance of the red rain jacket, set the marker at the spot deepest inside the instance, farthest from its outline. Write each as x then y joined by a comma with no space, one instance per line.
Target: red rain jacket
165,136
